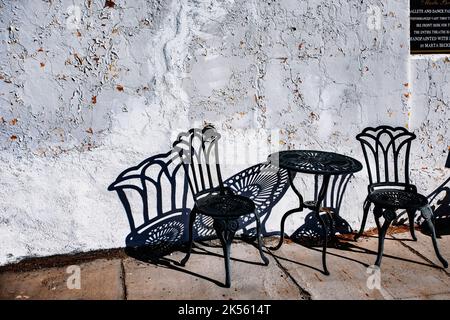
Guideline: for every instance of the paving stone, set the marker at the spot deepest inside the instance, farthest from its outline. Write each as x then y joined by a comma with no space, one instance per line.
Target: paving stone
294,272
424,246
403,273
204,273
99,279
439,296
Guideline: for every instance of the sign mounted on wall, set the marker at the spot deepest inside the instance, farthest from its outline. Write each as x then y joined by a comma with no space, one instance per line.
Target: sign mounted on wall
430,26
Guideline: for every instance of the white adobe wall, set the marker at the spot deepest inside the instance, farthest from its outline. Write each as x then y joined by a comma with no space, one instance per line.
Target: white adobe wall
82,98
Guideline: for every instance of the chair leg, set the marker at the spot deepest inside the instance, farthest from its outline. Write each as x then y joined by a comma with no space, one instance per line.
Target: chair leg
258,231
377,213
433,220
192,216
411,215
389,216
366,208
427,214
226,230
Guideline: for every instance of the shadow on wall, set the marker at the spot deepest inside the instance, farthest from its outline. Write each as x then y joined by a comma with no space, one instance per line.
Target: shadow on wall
440,203
155,203
154,196
440,199
310,233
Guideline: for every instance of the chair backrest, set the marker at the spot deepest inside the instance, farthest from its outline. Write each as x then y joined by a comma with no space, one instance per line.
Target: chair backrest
161,189
386,152
198,150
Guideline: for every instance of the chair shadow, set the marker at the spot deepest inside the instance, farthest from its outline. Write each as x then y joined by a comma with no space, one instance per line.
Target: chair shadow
160,191
440,203
348,247
203,251
311,233
439,200
171,265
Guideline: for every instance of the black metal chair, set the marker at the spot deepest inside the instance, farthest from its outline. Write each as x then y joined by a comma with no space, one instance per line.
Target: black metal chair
198,150
154,197
265,185
386,152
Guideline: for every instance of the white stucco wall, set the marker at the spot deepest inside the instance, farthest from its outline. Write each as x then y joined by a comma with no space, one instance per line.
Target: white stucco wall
83,99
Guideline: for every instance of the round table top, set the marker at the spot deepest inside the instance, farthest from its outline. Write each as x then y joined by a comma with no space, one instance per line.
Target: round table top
315,162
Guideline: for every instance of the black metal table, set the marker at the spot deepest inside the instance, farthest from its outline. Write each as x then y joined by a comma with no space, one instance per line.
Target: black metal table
321,163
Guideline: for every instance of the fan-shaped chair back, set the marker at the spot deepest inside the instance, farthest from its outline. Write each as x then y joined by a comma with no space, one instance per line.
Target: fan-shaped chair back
198,150
386,152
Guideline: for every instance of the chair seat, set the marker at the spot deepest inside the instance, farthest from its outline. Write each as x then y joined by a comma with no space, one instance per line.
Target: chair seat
225,205
397,199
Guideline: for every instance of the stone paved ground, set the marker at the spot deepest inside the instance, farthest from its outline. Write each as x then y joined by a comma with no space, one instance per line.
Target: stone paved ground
409,271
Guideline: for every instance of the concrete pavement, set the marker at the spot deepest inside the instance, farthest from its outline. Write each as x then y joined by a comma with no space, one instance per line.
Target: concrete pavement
409,271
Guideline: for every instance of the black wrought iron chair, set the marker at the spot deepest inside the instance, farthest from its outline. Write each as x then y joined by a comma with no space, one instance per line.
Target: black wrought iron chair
154,197
386,152
264,184
198,150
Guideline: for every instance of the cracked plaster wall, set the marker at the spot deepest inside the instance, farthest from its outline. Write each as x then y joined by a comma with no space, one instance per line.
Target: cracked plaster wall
83,99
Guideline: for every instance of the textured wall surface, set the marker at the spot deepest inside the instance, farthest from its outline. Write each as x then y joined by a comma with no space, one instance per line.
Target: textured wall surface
89,88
